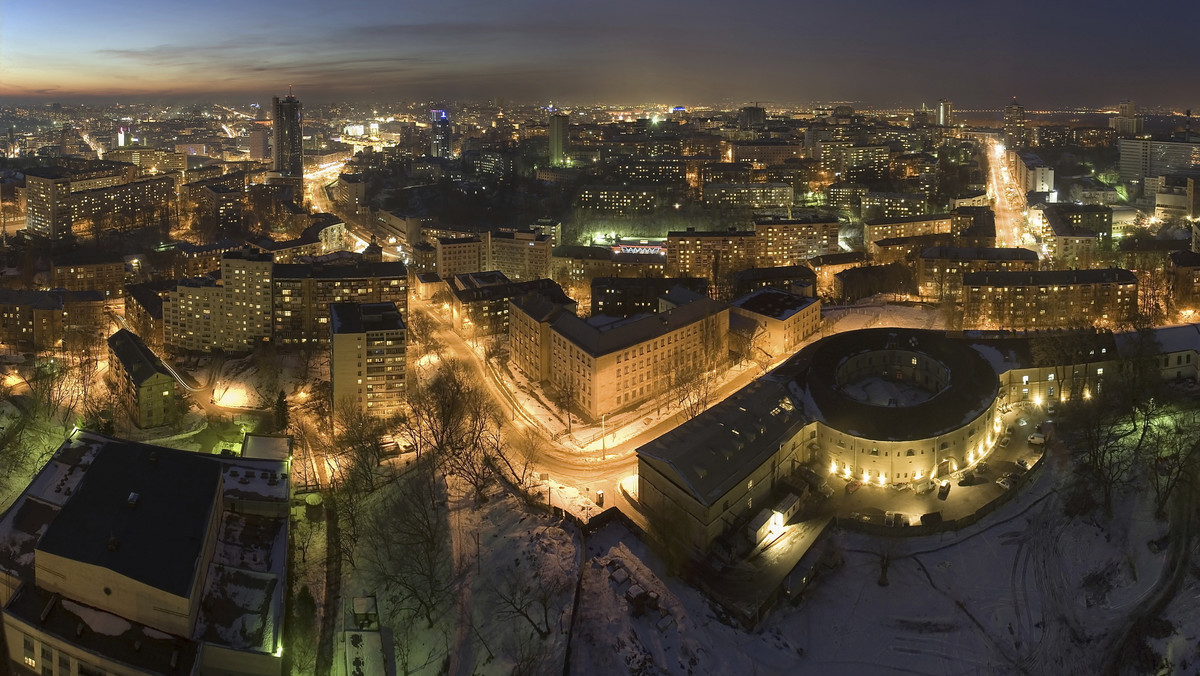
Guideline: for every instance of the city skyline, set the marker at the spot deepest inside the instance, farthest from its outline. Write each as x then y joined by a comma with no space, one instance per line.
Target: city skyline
881,53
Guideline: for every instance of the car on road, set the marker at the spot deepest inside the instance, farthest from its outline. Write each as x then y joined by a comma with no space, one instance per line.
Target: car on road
1022,422
1005,442
1037,438
1004,482
943,490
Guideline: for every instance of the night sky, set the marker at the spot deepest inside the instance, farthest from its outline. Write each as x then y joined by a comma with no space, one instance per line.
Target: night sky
881,52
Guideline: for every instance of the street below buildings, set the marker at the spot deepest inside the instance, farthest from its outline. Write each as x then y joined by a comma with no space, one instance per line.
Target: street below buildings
1007,202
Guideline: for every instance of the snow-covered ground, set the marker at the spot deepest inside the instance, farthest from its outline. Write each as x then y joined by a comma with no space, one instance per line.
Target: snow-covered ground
1028,590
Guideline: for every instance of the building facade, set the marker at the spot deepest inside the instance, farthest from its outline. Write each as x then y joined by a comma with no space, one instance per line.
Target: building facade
1049,299
367,357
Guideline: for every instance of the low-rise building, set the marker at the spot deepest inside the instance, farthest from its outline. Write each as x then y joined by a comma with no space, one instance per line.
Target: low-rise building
784,320
624,296
145,388
609,364
1183,280
796,279
1049,299
125,558
459,255
367,357
908,226
520,254
479,302
50,320
940,269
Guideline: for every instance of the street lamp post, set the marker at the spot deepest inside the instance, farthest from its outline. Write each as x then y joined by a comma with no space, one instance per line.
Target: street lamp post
603,438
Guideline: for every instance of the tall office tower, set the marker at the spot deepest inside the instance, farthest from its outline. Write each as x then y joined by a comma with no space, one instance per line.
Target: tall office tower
945,113
1016,134
289,139
752,117
559,139
1127,123
260,148
439,141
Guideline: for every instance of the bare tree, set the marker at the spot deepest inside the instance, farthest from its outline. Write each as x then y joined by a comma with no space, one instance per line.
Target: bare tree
693,381
406,546
530,589
454,419
1171,457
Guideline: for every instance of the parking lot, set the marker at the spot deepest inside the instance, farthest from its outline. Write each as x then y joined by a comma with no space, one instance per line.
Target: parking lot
872,502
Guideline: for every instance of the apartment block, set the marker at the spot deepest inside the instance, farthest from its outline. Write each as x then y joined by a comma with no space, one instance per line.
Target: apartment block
618,363
940,269
145,388
520,254
909,226
303,293
367,357
791,241
1049,299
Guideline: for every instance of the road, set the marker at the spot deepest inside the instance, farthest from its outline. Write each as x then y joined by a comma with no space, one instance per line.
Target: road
587,471
1007,202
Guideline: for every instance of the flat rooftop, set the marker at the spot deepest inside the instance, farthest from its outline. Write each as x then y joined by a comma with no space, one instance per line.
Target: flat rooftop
157,540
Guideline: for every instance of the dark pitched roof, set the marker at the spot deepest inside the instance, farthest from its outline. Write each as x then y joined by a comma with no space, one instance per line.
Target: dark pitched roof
137,359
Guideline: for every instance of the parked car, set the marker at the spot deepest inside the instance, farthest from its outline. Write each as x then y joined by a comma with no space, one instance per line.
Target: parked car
1008,430
1037,438
853,486
1023,464
859,516
944,490
968,479
1005,442
1022,422
1004,482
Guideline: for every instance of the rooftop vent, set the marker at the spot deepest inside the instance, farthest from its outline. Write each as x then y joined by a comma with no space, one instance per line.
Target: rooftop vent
133,499
153,456
113,544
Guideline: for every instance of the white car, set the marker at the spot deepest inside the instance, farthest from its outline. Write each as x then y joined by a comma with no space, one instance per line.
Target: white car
1004,482
1005,442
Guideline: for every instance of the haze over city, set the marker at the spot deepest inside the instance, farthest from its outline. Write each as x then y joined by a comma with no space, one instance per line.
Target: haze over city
879,52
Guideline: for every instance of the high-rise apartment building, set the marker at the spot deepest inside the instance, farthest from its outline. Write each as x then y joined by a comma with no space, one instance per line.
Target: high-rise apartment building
945,113
1127,122
1016,133
559,139
289,138
366,357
